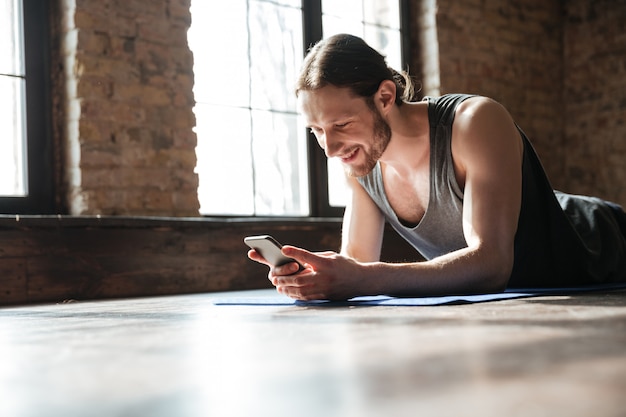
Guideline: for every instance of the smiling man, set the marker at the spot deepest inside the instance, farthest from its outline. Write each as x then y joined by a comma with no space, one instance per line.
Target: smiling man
454,176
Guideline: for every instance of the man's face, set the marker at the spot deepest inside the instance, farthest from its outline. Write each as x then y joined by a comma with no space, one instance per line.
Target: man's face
346,127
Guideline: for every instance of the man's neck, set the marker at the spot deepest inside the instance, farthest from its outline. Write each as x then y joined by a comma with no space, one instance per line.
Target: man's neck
409,147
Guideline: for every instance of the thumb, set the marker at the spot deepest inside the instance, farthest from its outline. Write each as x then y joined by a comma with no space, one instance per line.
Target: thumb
302,255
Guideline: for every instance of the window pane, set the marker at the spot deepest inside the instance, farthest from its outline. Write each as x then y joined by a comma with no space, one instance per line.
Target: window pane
218,37
251,153
13,169
12,142
343,9
337,184
280,164
292,3
11,55
333,25
224,160
276,55
382,13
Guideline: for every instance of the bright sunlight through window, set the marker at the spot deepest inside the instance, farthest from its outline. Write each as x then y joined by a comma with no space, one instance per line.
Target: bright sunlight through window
13,180
252,146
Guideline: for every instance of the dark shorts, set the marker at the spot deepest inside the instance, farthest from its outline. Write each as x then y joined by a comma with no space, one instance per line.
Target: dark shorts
620,216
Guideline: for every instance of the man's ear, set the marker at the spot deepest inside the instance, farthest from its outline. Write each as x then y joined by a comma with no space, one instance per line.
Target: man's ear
385,96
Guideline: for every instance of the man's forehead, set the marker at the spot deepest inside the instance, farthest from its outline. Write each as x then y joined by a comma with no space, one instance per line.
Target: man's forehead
328,102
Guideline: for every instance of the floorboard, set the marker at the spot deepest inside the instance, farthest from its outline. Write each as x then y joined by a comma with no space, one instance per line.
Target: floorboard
184,356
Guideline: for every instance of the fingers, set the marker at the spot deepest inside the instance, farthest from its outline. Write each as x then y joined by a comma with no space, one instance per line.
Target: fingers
276,273
303,294
286,269
305,257
299,286
301,255
256,256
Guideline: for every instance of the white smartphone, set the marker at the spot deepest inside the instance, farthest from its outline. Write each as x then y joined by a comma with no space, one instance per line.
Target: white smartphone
269,248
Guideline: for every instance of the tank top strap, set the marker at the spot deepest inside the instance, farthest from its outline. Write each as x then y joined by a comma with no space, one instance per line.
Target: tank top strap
441,110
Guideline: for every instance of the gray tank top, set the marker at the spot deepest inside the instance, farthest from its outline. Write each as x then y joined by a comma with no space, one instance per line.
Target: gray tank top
561,239
440,230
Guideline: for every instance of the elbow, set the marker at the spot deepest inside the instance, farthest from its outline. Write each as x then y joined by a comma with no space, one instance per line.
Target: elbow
499,266
494,282
502,274
498,283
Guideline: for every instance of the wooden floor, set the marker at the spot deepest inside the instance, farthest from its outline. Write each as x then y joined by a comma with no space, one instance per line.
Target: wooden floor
183,356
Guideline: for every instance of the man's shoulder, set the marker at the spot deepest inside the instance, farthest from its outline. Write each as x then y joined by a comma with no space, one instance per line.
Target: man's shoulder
478,109
483,127
442,109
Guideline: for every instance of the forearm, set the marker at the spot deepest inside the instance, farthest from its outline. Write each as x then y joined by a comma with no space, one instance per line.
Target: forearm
363,226
331,276
464,271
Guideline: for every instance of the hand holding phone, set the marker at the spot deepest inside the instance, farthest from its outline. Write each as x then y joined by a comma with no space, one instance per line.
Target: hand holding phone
270,249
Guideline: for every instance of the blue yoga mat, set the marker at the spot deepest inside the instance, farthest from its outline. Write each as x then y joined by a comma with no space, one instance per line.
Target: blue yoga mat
382,300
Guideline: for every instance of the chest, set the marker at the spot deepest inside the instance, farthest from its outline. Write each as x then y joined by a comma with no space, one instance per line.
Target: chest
408,196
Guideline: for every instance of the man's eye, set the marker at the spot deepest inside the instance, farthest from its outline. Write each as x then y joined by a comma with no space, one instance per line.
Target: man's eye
341,125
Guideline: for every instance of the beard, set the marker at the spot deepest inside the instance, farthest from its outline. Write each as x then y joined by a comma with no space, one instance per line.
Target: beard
381,138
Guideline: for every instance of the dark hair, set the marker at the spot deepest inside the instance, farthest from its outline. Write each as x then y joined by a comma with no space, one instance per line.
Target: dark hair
347,61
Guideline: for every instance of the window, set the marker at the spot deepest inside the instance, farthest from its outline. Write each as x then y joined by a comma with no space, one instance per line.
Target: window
254,155
25,155
12,151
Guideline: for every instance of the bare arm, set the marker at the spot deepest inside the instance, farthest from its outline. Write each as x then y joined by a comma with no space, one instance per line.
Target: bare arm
363,226
487,151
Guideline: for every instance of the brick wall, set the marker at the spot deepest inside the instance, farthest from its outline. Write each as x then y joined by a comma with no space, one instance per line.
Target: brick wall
595,97
126,78
558,66
510,51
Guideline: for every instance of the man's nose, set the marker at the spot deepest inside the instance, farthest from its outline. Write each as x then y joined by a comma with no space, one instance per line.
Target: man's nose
331,145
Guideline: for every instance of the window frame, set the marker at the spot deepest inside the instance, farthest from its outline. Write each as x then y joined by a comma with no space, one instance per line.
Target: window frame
40,198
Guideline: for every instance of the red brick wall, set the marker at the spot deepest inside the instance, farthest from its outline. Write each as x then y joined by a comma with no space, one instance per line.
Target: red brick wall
509,51
127,80
595,97
559,67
